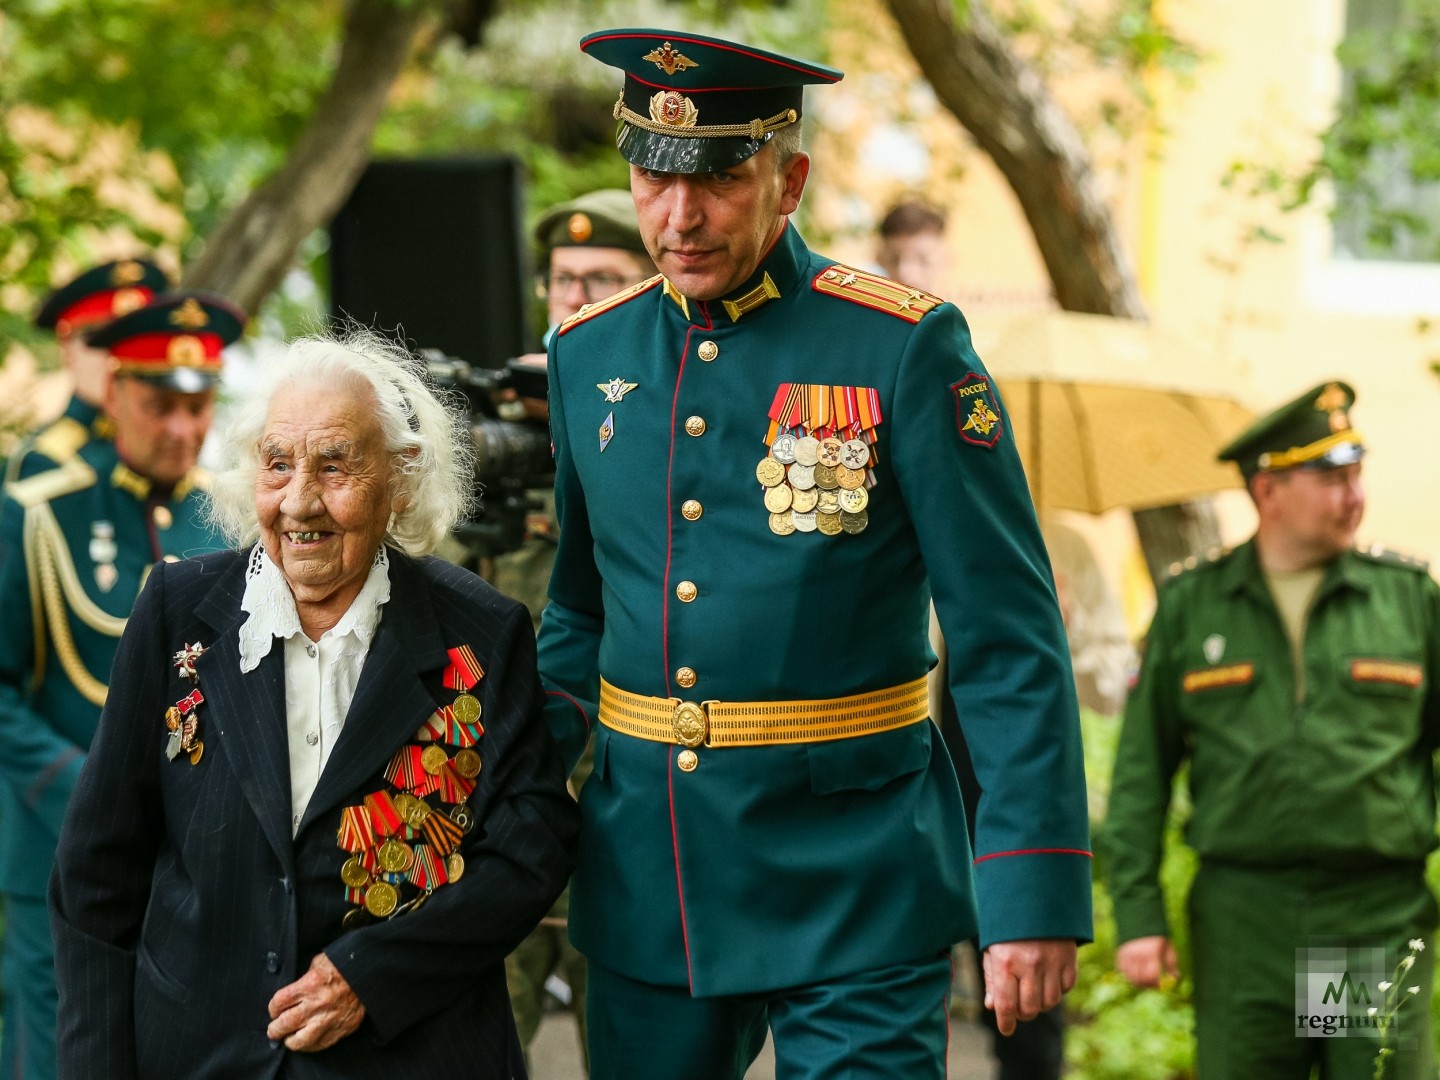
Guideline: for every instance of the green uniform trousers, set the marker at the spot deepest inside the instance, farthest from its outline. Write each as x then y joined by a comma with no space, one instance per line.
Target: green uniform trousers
27,1044
876,1025
1251,930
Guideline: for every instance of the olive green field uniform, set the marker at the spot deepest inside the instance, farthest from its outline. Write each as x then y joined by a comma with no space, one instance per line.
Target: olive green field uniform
1312,820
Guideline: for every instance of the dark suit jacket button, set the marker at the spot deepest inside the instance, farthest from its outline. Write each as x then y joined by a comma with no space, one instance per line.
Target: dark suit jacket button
272,962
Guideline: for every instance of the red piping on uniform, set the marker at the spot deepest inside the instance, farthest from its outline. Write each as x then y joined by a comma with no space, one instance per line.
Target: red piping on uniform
1036,851
679,884
692,89
670,505
583,714
716,45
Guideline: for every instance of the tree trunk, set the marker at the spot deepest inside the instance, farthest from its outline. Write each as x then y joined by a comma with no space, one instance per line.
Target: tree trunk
1004,104
250,252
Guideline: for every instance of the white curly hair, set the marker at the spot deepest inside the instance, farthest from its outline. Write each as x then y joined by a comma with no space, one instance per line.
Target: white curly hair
425,430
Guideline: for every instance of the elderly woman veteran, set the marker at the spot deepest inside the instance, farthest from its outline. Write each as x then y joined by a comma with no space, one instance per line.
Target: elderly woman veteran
320,807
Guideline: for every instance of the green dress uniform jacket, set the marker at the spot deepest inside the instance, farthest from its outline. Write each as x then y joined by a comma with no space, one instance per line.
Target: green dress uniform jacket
76,543
767,867
1342,781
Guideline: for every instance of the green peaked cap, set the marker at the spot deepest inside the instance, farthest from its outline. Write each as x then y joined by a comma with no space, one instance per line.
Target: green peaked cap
697,104
1313,431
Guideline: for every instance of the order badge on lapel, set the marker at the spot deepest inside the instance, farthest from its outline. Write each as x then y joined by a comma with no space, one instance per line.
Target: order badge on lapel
181,721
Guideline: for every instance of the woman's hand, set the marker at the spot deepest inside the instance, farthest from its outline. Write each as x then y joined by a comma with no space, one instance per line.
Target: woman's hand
316,1011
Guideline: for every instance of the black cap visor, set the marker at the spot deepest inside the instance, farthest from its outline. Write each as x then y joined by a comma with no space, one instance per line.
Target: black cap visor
187,380
673,154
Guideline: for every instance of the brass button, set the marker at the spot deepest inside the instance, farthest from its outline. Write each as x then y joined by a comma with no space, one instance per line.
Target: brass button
695,426
686,591
163,518
708,351
691,509
685,677
687,760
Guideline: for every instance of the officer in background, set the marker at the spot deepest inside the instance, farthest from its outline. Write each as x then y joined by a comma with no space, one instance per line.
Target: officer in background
71,311
765,463
76,543
587,248
1300,678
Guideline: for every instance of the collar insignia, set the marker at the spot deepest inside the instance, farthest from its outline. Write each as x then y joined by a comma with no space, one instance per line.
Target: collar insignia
760,294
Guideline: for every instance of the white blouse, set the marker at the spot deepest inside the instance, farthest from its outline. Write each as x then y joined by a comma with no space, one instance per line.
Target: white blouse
320,676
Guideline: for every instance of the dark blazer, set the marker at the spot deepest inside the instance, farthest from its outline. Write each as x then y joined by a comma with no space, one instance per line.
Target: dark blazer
180,903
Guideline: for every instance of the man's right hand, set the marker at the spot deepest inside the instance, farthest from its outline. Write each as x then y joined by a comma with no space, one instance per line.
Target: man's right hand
1145,960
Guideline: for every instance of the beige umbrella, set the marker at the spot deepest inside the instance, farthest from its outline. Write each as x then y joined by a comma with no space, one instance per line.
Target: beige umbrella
1112,412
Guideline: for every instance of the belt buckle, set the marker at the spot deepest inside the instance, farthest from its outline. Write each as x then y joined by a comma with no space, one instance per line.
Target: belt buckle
691,724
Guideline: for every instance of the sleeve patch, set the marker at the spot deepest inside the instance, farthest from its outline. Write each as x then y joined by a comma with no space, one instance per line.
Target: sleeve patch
977,412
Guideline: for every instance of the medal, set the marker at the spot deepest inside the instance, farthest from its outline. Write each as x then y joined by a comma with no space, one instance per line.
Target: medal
802,476
804,522
463,816
355,918
380,899
769,472
828,502
830,451
433,759
854,523
395,856
807,450
467,763
353,874
854,500
782,524
455,866
849,478
855,454
804,500
825,477
783,448
778,498
829,524
467,708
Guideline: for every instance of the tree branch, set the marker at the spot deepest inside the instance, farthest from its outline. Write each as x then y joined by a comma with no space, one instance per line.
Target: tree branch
1005,105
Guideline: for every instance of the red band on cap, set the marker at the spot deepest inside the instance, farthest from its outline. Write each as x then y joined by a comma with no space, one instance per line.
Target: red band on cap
101,307
162,350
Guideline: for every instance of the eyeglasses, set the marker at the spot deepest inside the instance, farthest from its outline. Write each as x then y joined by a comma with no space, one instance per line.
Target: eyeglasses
592,286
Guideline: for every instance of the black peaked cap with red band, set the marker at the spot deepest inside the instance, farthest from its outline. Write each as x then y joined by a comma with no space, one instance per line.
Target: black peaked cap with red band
175,341
101,294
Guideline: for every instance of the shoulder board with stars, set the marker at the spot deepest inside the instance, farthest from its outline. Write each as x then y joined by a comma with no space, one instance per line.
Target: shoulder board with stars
67,477
589,311
1381,554
874,291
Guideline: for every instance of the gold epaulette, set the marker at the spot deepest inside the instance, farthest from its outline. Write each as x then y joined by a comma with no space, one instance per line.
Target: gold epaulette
200,478
873,291
61,440
1382,554
68,476
589,311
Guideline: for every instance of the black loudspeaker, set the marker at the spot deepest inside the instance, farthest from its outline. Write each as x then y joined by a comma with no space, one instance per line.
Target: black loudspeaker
433,247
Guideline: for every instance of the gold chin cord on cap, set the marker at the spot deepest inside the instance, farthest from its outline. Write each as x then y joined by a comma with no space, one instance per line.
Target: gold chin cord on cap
755,129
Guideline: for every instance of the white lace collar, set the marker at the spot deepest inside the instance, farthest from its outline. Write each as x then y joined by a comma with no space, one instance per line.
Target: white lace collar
271,607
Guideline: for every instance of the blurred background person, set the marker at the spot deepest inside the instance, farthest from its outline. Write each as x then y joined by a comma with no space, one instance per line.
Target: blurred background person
352,812
587,249
912,247
76,308
1298,676
77,541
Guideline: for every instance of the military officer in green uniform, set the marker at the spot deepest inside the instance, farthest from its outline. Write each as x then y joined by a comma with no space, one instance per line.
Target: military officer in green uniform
76,543
766,463
71,311
588,248
1297,675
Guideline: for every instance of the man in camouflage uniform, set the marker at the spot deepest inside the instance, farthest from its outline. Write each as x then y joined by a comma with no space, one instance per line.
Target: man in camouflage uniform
1298,677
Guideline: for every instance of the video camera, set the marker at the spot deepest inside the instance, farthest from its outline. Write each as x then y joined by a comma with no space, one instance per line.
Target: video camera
513,455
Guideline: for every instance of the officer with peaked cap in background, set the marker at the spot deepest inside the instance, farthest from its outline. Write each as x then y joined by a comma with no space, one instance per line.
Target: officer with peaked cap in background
765,464
76,543
588,248
1298,676
71,311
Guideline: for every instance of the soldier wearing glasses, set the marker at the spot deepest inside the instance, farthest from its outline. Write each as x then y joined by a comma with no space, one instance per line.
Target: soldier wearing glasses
766,463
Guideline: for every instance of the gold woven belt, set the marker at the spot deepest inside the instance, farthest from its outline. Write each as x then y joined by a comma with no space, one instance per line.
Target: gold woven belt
762,723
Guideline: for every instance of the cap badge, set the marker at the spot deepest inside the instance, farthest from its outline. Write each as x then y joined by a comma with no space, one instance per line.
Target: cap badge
185,350
189,315
127,273
1333,401
127,300
668,60
674,109
616,389
579,227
